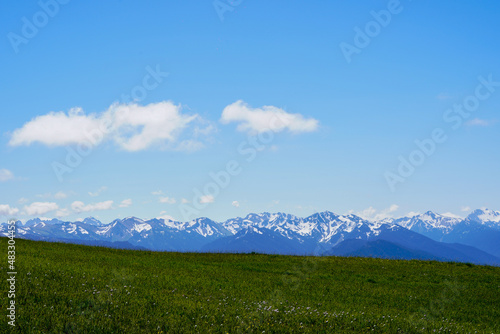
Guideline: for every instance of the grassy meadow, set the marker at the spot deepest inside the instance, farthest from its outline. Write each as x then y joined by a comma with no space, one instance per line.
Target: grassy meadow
63,288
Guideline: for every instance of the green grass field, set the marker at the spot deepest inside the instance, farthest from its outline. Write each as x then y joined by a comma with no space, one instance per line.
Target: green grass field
64,288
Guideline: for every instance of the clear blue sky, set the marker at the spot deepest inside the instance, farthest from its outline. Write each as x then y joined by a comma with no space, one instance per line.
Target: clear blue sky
353,118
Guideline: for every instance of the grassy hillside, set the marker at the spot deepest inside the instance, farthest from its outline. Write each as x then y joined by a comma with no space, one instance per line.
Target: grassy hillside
80,289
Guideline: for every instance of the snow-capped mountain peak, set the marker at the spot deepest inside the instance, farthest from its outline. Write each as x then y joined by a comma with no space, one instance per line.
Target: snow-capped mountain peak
485,217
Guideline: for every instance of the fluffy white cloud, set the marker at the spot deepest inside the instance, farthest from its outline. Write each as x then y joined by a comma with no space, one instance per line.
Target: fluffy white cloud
6,210
133,127
465,208
207,199
266,118
168,200
79,206
373,214
57,128
157,193
184,201
236,204
6,175
40,208
140,127
126,203
98,192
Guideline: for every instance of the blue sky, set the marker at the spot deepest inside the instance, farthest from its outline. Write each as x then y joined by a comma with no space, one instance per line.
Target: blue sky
208,92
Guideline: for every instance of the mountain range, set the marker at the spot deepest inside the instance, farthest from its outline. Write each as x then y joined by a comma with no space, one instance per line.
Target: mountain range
431,236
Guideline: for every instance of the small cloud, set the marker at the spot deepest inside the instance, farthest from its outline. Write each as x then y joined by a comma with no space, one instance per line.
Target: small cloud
23,200
207,199
184,201
6,210
40,208
79,206
165,216
6,175
465,209
62,213
412,214
98,192
168,200
60,195
266,118
236,204
480,122
206,131
157,193
189,146
125,203
450,215
373,214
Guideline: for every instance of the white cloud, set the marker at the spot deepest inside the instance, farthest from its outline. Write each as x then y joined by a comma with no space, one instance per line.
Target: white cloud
480,122
60,195
57,128
450,215
6,210
274,203
6,175
126,203
168,200
373,214
236,204
267,118
157,193
412,214
23,200
79,206
164,215
40,208
140,127
189,145
184,201
131,126
98,192
465,209
207,199
62,213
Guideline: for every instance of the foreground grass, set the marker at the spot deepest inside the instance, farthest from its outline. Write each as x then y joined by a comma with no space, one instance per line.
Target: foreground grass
65,288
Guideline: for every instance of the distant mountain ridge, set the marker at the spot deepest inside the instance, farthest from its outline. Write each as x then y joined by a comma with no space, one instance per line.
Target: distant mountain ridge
429,234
